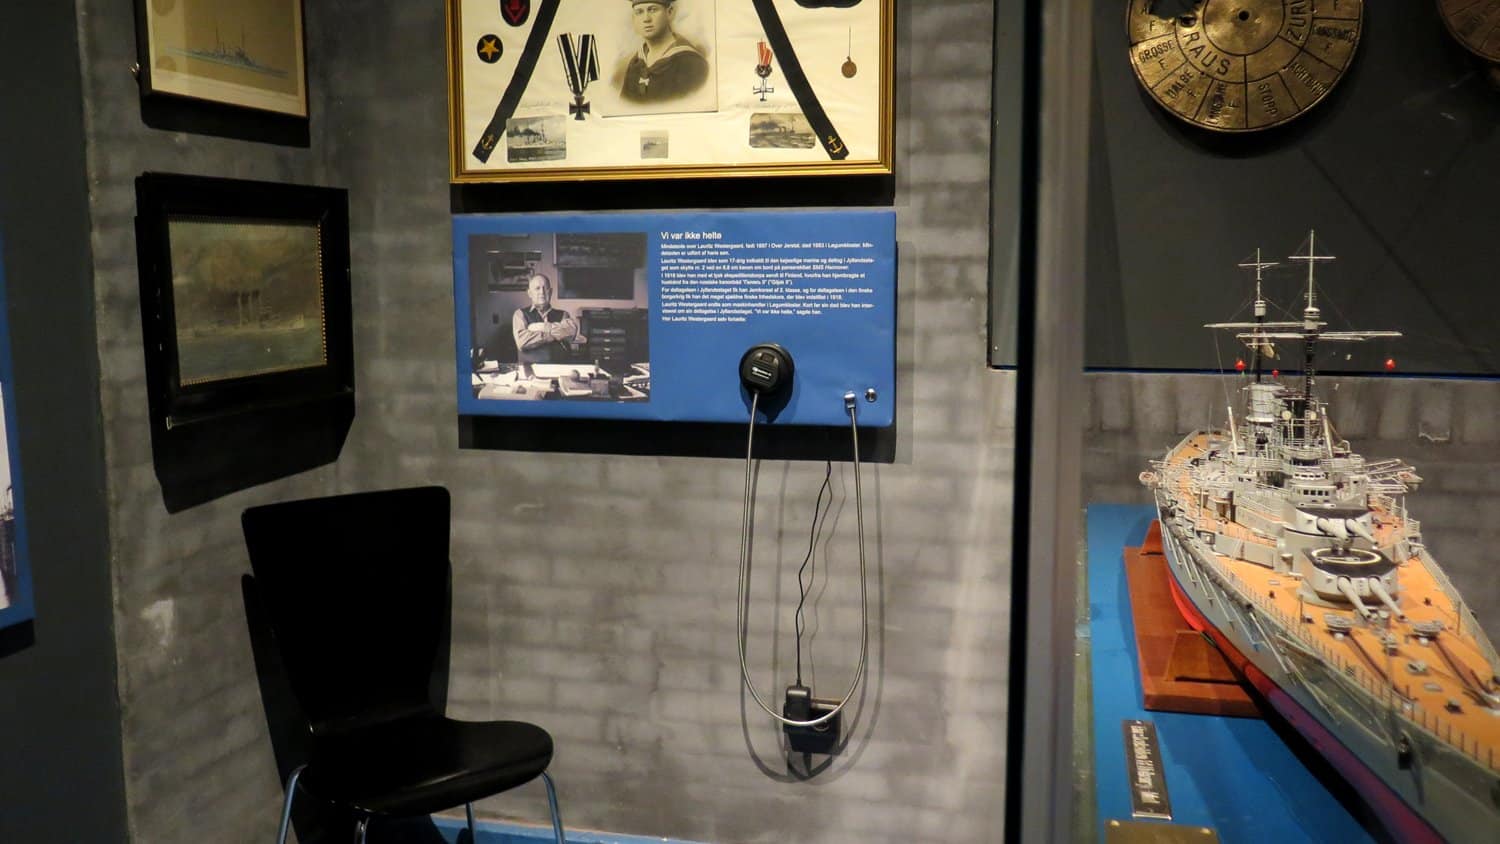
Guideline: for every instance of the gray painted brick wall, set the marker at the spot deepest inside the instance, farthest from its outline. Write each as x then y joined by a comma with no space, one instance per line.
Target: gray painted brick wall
595,594
616,633
198,763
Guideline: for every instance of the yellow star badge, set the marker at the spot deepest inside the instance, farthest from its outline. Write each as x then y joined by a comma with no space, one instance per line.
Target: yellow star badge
490,49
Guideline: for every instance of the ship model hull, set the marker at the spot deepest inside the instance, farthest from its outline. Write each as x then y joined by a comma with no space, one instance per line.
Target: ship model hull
1298,558
1401,756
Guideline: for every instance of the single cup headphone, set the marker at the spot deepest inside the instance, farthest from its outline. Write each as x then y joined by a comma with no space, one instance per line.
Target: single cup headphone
766,369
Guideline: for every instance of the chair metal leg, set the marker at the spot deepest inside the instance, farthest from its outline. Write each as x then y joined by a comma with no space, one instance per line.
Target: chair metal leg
469,813
286,806
360,829
557,827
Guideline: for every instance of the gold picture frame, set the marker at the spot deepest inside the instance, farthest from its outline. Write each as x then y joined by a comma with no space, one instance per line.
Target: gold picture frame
562,90
250,53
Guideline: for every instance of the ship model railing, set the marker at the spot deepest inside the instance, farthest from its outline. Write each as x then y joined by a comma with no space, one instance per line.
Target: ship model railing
1462,614
1303,450
1382,690
1384,466
1385,486
1257,507
1409,530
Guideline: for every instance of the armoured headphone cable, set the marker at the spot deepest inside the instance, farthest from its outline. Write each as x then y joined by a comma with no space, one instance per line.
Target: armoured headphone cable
742,605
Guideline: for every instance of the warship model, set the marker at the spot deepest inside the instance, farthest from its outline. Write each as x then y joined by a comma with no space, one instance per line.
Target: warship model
1296,556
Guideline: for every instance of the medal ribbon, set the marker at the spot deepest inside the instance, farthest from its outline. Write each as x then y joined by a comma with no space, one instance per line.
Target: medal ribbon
591,52
580,61
525,66
764,52
791,70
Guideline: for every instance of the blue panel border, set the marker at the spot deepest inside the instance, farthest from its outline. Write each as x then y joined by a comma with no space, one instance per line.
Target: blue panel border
693,364
21,606
489,832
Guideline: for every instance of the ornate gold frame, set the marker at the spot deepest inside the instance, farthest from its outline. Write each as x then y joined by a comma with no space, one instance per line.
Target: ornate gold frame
458,155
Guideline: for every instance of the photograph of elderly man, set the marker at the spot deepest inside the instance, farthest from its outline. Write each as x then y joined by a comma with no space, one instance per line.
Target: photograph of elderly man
542,332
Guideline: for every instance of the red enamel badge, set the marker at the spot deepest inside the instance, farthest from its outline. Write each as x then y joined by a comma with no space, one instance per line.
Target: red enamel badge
515,12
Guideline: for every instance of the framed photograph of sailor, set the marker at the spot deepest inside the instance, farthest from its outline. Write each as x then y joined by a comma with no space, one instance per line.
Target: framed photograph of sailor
552,90
249,53
244,294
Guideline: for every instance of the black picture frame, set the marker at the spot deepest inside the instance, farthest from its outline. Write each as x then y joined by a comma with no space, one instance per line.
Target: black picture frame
271,366
164,202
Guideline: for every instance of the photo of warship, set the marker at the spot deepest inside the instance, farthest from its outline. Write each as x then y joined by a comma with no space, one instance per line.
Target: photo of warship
1297,557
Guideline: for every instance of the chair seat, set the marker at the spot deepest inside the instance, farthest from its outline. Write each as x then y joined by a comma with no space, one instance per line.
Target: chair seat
426,763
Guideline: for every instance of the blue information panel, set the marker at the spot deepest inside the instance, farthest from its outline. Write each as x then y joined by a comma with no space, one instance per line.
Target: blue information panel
646,316
15,571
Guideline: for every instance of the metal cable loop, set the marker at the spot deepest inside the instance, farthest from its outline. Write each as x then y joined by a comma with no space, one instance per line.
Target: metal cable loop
743,603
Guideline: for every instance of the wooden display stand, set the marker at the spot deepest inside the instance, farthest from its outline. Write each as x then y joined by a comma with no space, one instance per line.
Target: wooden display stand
1180,670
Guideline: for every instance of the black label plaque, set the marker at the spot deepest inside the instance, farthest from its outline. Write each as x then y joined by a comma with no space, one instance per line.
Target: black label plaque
1143,768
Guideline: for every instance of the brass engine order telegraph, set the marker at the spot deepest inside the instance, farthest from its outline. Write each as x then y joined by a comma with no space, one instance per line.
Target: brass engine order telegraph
1242,65
1476,25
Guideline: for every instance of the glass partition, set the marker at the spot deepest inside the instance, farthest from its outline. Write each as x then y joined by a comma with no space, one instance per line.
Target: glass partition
1283,590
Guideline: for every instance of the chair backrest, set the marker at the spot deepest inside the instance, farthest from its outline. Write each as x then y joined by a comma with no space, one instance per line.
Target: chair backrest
355,592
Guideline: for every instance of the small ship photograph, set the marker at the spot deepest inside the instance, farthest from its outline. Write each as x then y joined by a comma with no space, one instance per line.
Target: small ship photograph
536,139
781,130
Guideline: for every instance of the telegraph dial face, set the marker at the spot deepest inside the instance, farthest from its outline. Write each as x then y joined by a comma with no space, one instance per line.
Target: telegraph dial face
1243,65
1476,25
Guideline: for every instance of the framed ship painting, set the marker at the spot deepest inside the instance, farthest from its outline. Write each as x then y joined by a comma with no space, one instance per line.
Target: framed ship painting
244,295
15,572
249,53
547,90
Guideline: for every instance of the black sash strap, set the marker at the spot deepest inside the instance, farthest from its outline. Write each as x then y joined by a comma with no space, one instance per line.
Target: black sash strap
791,68
535,43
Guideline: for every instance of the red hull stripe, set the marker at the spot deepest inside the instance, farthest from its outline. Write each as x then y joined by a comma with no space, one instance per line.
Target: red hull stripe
1393,812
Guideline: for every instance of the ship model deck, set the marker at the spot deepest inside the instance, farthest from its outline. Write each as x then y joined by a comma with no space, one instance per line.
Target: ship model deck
1298,558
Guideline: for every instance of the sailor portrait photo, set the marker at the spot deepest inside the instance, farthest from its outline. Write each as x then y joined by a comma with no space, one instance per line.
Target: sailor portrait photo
666,65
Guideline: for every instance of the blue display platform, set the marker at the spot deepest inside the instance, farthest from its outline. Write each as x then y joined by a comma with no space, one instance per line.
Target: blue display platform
455,831
1234,775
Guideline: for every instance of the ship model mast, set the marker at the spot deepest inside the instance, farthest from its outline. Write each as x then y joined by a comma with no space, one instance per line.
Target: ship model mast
1261,336
1260,309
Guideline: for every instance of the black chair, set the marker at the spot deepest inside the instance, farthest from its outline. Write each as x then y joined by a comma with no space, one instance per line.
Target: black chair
354,590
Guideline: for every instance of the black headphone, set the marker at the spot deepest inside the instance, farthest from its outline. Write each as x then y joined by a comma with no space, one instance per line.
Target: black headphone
766,369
